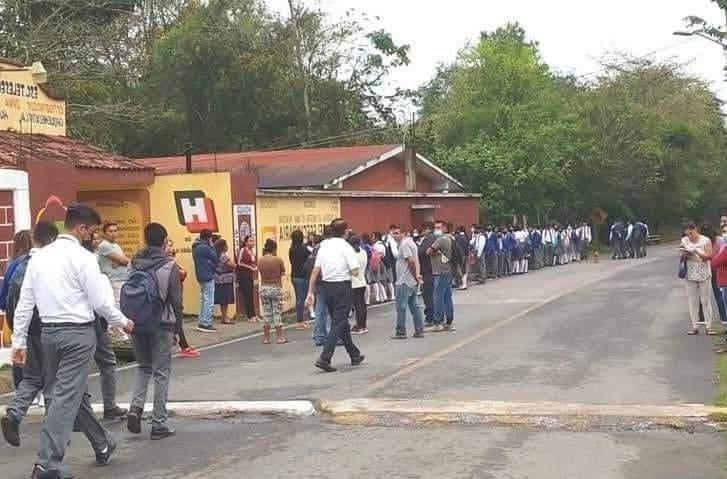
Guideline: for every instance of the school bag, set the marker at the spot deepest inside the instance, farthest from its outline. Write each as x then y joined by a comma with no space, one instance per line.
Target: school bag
375,261
457,256
142,302
389,259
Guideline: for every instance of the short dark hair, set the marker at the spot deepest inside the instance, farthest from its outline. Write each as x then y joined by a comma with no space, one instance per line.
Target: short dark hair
81,215
689,225
205,235
428,225
326,232
44,233
271,247
155,235
392,226
108,225
339,228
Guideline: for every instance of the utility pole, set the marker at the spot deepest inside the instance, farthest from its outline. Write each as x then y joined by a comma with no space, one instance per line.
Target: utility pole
410,157
301,67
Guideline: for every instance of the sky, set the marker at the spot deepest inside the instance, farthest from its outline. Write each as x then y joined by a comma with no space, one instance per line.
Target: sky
573,34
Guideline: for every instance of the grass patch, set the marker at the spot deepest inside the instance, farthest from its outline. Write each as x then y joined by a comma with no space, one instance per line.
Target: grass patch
721,379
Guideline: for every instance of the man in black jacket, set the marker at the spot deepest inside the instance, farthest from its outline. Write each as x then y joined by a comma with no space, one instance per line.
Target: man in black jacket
153,350
425,265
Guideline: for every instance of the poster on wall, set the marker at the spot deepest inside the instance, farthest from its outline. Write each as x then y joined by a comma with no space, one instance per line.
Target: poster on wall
244,222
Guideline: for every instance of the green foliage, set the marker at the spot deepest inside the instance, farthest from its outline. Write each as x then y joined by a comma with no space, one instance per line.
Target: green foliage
644,140
223,74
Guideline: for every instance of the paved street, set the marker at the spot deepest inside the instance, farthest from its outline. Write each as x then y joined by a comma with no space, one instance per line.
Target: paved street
608,333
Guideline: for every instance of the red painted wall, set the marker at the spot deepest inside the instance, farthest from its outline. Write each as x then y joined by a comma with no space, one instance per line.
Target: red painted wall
386,176
376,214
46,179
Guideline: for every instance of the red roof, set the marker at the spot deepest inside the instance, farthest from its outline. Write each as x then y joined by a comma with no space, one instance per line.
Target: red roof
280,169
15,146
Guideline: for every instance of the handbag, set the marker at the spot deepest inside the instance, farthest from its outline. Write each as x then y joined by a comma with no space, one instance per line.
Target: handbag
682,269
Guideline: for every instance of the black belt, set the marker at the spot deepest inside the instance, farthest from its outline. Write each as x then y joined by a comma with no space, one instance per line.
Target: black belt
66,325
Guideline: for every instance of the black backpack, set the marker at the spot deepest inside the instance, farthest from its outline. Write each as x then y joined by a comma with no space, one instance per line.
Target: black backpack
389,258
457,258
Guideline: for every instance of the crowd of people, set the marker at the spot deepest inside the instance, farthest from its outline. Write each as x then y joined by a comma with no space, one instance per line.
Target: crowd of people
64,294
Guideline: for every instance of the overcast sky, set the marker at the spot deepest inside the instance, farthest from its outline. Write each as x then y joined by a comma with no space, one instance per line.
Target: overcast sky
573,34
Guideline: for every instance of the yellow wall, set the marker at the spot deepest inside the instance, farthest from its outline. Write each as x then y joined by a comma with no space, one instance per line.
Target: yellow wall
24,106
127,208
163,209
277,217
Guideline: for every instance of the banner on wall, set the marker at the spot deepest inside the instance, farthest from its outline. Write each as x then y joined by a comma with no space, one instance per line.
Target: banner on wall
244,222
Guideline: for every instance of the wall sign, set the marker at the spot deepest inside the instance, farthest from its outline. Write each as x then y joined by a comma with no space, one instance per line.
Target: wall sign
195,211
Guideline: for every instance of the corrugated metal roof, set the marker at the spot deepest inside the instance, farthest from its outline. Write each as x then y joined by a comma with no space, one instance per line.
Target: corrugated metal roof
280,169
15,146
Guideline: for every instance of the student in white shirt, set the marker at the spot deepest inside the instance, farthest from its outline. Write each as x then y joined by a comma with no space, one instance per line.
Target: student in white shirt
66,285
336,263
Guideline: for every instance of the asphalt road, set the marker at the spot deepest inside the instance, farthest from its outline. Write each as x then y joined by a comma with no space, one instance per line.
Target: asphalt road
608,333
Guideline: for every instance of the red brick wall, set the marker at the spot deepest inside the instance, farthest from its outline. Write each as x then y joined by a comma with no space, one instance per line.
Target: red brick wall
376,214
386,176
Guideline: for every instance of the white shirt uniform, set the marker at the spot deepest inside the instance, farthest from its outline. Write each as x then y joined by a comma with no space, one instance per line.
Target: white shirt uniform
64,282
337,260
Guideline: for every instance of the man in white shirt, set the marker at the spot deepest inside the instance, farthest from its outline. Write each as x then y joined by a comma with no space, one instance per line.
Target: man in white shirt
585,237
66,285
336,263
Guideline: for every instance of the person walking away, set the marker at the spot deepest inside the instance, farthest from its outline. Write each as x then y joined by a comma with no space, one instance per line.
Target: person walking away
697,251
617,237
408,279
358,286
440,253
224,280
464,246
425,267
31,384
492,253
22,245
205,266
298,255
271,270
336,264
153,293
378,269
111,258
246,274
385,273
641,233
585,238
66,285
186,351
564,247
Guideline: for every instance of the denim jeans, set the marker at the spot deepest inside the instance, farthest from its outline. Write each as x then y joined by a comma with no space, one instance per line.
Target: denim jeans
406,297
443,306
300,286
320,331
207,303
154,356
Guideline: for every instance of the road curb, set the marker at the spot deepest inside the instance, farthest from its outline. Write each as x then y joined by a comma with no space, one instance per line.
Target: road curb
293,409
548,414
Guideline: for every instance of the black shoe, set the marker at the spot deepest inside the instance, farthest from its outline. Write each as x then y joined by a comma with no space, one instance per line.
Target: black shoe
161,432
40,473
419,334
207,328
357,360
115,413
320,364
103,458
133,420
399,336
11,429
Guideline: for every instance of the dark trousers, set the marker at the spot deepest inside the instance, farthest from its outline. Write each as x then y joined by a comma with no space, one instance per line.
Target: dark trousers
183,344
428,296
359,307
247,289
338,302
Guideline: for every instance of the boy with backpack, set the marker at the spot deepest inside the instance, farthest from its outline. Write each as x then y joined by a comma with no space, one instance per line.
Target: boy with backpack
153,296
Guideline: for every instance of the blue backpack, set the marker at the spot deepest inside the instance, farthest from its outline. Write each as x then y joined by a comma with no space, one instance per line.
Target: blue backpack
141,301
